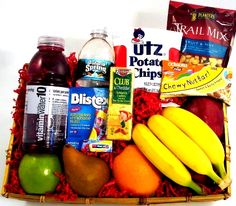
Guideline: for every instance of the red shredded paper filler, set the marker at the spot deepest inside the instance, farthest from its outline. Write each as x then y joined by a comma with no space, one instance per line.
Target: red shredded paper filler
145,105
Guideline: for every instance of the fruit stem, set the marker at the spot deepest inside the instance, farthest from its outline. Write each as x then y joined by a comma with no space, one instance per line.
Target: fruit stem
226,182
221,183
196,188
221,169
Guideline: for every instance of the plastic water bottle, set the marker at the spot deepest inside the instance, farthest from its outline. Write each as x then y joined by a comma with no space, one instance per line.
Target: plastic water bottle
94,62
46,103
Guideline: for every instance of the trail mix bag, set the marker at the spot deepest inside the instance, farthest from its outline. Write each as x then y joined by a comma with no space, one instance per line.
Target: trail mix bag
207,32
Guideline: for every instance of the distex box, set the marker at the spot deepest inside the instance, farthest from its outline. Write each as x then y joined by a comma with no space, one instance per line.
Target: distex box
87,114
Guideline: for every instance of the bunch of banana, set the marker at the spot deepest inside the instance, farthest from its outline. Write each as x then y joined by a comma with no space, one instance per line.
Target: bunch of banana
161,157
189,139
201,134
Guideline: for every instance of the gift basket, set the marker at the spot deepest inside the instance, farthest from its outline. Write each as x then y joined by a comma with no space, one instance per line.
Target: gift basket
143,121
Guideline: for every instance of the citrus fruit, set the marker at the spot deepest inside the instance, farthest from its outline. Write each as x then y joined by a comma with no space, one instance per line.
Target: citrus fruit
134,173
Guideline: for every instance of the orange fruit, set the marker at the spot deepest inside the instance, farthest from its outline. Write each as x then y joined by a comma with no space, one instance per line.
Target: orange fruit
134,173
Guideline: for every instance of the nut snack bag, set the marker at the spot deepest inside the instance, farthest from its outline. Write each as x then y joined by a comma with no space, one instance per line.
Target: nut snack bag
207,32
180,79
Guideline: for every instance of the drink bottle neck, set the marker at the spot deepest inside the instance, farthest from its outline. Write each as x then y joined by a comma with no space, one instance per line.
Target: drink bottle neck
50,48
99,35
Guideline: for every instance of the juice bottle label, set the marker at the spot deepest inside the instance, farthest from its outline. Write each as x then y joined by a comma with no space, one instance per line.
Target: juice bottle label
94,69
46,109
87,119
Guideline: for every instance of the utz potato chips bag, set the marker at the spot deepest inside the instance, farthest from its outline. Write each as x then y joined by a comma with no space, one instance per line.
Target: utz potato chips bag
207,32
143,49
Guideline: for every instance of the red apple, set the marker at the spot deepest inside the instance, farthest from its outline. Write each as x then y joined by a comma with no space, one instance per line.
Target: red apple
210,110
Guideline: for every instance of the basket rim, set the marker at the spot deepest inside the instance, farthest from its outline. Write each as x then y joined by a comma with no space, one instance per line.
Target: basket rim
131,200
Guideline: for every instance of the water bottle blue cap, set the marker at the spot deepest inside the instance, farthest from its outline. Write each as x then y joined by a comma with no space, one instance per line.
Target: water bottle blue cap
51,41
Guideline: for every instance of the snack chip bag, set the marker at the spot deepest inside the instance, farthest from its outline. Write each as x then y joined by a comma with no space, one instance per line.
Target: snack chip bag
143,49
207,32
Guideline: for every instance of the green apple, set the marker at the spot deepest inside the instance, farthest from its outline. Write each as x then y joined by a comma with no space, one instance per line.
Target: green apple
36,173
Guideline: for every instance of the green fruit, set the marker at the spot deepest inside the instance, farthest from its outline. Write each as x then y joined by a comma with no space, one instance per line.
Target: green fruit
36,173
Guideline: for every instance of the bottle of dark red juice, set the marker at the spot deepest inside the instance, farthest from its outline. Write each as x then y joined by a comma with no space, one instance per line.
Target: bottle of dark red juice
46,102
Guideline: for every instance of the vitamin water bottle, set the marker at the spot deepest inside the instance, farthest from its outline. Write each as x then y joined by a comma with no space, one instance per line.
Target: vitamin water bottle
94,61
46,103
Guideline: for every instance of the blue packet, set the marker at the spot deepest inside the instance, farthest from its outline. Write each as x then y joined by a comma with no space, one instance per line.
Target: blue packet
87,114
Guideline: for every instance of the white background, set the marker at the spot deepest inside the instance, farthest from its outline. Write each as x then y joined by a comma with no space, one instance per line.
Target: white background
21,22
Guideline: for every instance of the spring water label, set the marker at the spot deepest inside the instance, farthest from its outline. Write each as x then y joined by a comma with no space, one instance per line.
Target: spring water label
46,109
94,69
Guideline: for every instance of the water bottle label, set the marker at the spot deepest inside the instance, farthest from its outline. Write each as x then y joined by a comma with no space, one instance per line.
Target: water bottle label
94,69
46,109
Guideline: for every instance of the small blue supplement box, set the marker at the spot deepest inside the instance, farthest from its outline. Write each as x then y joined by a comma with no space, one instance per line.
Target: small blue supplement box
87,114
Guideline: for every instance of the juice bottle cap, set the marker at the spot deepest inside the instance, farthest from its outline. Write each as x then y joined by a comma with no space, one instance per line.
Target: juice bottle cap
51,41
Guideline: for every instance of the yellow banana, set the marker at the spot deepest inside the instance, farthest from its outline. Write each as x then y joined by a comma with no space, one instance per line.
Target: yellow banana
164,160
183,147
201,134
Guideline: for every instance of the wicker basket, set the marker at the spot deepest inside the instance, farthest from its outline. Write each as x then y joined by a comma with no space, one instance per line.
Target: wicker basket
134,201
